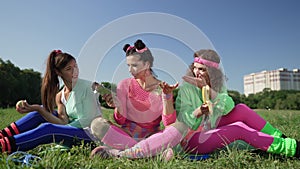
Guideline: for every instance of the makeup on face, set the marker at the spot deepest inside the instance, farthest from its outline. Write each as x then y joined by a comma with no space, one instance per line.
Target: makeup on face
135,65
199,70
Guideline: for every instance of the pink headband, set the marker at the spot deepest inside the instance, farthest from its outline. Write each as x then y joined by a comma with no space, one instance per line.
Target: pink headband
57,52
206,62
130,47
142,50
138,51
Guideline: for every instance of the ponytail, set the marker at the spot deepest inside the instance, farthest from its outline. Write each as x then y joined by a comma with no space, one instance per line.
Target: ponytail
50,84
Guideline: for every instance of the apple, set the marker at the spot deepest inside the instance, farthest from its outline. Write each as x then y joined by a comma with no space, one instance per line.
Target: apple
20,104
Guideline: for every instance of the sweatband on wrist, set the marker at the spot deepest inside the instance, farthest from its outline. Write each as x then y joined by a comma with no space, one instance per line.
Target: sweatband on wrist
167,96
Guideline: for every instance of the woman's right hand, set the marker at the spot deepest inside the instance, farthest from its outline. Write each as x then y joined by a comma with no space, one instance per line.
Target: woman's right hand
202,110
26,108
109,100
167,89
199,82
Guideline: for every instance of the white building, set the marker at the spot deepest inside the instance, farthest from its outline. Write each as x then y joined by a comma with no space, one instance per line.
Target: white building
281,79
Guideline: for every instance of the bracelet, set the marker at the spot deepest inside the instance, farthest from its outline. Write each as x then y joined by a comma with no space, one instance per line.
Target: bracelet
167,96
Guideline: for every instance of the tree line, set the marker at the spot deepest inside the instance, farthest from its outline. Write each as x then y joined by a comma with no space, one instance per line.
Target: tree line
269,99
17,84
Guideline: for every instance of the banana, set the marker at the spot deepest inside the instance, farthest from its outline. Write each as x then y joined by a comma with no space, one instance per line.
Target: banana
206,100
206,97
205,93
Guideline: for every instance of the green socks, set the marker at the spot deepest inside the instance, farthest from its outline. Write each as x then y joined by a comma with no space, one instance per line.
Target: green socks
283,146
269,129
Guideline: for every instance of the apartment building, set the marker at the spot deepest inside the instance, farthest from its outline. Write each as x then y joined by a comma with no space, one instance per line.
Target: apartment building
281,79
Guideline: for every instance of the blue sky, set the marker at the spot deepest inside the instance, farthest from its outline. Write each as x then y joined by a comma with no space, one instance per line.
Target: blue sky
250,36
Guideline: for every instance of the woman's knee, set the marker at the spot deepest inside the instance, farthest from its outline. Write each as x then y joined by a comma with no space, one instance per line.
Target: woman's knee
241,106
180,126
238,128
99,127
48,127
239,112
34,114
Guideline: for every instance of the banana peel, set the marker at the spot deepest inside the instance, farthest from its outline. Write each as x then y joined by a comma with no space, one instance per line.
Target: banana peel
206,100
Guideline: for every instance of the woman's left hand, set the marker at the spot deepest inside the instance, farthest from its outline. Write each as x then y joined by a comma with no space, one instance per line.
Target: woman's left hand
167,89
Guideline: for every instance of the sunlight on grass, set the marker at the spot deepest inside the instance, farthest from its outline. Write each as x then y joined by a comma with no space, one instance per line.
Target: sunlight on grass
78,156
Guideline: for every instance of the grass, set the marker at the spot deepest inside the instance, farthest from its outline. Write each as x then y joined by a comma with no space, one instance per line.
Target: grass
78,157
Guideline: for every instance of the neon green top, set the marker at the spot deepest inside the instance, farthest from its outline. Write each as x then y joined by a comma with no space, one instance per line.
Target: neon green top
190,97
81,105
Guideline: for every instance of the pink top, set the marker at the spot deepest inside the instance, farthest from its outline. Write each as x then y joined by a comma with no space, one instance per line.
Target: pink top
140,107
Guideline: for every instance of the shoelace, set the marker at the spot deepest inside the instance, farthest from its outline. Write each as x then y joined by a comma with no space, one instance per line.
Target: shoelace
23,158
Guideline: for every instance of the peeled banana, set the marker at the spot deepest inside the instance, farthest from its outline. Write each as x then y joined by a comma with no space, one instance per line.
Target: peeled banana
206,97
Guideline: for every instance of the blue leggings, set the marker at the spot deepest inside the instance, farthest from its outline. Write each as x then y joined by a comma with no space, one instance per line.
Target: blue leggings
30,121
35,130
50,133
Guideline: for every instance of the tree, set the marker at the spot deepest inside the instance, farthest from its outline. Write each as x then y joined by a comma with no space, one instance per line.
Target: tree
31,81
236,97
18,84
292,101
9,74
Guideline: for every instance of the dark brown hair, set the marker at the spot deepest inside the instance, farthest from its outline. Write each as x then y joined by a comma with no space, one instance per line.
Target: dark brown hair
145,56
50,85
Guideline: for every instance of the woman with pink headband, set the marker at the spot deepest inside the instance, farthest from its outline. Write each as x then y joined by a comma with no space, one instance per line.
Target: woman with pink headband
141,104
225,124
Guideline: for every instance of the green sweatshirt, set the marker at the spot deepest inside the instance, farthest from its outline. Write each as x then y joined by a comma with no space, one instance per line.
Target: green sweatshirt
81,105
190,97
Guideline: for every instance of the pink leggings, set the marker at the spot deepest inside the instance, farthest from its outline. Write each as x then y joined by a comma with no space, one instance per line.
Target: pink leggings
241,123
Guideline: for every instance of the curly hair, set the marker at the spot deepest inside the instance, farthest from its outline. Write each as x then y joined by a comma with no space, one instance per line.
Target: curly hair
216,75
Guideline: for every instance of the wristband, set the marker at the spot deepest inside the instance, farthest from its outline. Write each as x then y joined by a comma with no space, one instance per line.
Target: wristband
167,96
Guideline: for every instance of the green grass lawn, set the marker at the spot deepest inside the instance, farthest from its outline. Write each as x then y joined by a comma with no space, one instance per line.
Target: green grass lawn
78,157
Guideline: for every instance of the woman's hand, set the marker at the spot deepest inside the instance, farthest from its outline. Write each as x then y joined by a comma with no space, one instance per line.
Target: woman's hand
167,97
199,82
167,89
26,108
202,110
110,100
